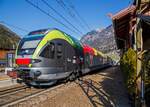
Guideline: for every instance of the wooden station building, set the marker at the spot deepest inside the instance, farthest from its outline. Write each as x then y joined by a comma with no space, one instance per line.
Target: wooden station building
124,23
132,30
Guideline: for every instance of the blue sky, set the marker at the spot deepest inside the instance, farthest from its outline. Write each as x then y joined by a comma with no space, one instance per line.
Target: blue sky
23,15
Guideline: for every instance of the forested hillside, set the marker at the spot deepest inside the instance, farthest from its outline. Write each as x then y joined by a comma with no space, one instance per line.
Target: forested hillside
8,38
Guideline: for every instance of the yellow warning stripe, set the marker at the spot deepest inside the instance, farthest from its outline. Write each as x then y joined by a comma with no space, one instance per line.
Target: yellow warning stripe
1,79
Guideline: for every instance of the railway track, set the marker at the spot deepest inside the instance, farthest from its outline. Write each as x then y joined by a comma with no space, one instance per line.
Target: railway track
4,92
17,95
13,96
7,96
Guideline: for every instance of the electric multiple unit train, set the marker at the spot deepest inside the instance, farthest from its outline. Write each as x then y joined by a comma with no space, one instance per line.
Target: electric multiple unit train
47,55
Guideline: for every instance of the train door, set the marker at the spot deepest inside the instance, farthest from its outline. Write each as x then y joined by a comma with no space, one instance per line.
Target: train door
86,62
59,56
101,60
69,53
91,59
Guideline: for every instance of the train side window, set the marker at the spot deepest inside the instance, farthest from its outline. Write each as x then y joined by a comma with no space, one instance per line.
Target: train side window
48,51
91,58
59,50
86,57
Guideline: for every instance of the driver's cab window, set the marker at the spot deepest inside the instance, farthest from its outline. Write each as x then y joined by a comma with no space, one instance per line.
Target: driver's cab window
48,51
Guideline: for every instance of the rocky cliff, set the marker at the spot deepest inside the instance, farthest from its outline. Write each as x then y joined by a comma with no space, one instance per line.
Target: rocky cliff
101,39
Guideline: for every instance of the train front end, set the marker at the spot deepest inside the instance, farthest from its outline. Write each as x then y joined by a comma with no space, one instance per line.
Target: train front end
26,58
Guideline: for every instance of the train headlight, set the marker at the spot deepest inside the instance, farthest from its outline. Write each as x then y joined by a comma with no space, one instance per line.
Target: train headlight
35,61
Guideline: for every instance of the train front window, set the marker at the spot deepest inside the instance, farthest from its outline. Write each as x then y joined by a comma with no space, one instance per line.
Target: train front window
27,46
30,44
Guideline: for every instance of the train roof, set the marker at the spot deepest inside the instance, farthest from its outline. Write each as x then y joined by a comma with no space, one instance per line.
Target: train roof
43,32
62,35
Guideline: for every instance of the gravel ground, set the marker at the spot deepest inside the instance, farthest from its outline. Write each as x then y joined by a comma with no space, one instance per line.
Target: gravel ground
3,77
103,88
2,74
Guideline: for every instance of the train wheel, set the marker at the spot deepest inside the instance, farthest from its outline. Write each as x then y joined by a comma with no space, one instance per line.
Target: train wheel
72,77
28,85
78,74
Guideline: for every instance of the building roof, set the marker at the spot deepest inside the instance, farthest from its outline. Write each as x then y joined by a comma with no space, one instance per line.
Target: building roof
121,21
124,22
123,13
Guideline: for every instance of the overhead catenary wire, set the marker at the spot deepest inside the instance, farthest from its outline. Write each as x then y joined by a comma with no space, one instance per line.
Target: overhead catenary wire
50,16
63,5
81,18
61,15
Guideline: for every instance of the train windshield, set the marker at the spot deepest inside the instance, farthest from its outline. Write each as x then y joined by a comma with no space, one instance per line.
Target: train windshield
27,45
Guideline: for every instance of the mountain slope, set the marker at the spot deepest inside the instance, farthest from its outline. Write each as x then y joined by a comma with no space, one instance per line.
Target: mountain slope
8,38
101,39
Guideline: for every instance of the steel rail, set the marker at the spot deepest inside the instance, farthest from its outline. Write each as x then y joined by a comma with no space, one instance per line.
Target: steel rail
26,97
7,91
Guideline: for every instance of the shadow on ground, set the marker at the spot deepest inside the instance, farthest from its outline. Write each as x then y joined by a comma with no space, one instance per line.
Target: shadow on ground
106,91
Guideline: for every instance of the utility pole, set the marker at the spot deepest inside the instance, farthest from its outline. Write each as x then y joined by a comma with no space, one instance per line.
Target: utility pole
137,33
140,71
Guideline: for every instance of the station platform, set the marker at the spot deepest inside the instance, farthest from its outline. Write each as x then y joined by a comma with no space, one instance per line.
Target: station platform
6,81
4,76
